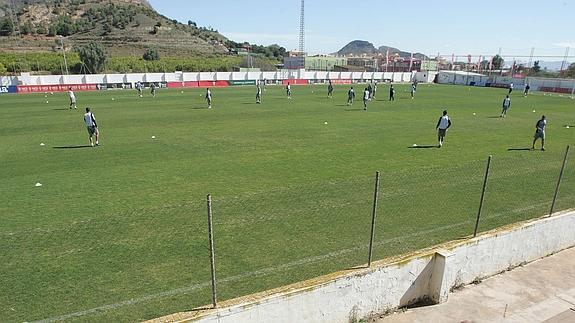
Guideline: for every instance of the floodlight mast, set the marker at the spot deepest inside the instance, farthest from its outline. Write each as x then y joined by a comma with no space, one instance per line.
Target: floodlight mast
302,28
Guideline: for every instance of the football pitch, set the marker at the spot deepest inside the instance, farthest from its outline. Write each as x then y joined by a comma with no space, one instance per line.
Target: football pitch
119,232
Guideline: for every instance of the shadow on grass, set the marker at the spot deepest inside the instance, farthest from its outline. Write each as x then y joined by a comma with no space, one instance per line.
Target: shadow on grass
62,109
199,108
518,149
423,147
200,309
495,117
73,147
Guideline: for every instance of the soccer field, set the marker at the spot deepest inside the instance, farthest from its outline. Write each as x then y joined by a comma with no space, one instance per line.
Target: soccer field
119,232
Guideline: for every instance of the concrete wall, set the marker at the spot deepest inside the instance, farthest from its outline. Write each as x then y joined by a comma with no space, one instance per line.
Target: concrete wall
566,86
27,79
429,275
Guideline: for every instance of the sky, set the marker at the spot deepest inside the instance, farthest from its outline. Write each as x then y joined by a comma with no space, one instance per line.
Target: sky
441,26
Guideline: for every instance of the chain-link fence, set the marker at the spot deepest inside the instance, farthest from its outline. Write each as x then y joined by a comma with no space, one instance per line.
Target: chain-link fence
291,234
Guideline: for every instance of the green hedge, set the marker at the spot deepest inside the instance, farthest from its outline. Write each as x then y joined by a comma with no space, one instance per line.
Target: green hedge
54,63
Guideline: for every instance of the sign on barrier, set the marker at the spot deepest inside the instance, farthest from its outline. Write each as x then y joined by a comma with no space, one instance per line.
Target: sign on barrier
8,89
55,88
242,82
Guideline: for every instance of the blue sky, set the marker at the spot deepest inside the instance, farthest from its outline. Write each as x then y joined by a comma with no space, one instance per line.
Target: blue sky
431,27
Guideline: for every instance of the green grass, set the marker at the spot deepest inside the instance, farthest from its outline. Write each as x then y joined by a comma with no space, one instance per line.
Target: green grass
124,224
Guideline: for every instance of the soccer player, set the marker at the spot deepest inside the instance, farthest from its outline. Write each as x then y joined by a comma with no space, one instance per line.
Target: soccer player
259,94
370,90
510,87
506,105
540,132
92,127
350,96
72,99
443,124
391,93
209,97
374,90
288,91
366,95
139,87
413,89
153,90
330,90
526,90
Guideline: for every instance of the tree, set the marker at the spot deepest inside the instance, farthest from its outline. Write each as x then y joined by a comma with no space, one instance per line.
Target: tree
6,27
93,56
536,67
151,54
570,72
2,69
498,62
191,23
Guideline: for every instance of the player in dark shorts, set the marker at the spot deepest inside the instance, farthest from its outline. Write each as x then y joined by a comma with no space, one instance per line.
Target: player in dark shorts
330,90
540,132
259,94
443,124
350,96
391,93
153,90
526,90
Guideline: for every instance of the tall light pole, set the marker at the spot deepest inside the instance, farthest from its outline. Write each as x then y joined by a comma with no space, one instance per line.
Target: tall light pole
302,28
64,53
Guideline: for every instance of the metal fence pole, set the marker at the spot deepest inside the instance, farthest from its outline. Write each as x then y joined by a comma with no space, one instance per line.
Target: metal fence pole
373,215
559,180
212,251
482,196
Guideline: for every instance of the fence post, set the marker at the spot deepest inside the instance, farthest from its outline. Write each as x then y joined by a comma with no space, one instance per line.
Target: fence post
212,251
482,196
373,215
559,180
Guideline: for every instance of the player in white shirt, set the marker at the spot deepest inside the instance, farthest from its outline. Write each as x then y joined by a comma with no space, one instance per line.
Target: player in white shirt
540,132
92,127
72,99
139,87
443,124
259,94
506,105
366,96
510,88
288,90
209,97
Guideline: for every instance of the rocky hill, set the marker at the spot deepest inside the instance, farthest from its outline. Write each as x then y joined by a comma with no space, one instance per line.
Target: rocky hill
362,47
124,27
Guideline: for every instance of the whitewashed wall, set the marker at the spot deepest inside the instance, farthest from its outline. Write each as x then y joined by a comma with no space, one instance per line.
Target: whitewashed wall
27,79
431,274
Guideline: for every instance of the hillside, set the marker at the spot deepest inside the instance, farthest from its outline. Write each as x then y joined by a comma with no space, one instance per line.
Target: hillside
362,47
124,27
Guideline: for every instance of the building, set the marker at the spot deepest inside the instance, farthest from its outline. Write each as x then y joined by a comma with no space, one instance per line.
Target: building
324,63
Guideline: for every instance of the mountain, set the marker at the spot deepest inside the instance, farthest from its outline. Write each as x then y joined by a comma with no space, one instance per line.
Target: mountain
362,47
124,27
358,48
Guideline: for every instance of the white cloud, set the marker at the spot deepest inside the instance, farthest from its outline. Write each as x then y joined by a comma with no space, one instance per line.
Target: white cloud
565,44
